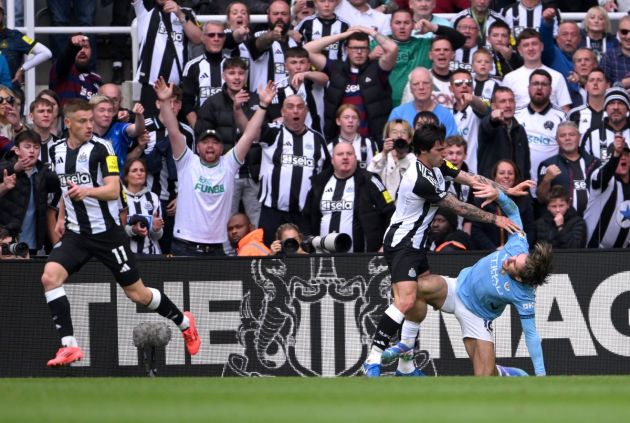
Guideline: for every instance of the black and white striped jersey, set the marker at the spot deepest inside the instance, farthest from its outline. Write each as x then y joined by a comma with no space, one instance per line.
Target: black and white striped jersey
144,203
364,148
203,77
519,17
289,161
485,89
463,58
159,56
337,206
314,28
586,118
420,191
597,140
313,96
490,19
541,130
86,166
265,65
607,215
164,181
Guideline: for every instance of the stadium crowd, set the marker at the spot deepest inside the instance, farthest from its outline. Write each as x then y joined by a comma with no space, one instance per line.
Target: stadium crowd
522,94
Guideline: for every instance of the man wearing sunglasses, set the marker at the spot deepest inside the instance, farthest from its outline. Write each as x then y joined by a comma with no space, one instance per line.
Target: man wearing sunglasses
616,62
202,75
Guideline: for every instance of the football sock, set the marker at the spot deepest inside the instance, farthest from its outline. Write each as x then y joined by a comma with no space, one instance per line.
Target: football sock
60,311
409,333
406,364
387,327
161,304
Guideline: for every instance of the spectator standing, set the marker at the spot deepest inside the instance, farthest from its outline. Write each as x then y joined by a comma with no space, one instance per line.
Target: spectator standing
560,225
616,62
464,55
423,9
480,12
456,153
596,34
70,75
348,122
360,13
483,84
323,24
67,13
591,114
505,58
10,122
526,14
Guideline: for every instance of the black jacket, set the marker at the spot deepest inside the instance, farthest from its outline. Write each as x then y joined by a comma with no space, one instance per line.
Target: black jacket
572,235
373,208
14,204
496,143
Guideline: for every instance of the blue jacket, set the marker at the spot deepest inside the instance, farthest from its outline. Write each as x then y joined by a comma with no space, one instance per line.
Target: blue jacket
555,58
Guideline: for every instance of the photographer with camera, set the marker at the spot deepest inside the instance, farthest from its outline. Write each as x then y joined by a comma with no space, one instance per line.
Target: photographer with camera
392,163
349,200
25,183
9,249
144,222
289,240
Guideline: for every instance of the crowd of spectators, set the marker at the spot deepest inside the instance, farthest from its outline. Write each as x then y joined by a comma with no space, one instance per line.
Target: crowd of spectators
522,93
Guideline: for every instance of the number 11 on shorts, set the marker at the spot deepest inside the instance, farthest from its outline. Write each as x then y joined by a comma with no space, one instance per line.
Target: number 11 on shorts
120,254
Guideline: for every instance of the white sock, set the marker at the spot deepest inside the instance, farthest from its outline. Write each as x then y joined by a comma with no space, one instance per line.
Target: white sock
409,333
69,341
53,294
406,366
155,299
375,355
185,324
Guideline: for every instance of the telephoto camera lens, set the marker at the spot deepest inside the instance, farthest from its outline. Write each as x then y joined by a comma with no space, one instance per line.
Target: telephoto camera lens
290,246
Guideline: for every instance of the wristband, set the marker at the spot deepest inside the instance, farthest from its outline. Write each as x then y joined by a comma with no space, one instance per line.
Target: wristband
262,107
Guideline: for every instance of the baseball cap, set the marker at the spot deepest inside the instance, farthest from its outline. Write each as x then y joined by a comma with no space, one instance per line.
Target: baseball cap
209,133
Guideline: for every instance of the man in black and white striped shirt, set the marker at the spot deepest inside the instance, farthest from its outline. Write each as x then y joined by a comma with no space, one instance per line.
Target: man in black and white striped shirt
422,190
88,171
292,154
526,14
591,114
164,32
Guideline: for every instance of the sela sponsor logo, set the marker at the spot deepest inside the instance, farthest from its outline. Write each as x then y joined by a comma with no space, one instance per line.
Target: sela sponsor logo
540,140
299,161
352,88
78,178
208,91
336,205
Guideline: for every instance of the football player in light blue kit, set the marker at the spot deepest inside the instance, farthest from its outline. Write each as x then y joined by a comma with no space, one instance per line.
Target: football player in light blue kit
481,292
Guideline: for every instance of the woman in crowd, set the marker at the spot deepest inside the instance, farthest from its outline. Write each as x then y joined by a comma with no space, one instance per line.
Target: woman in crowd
596,33
489,237
10,122
237,15
348,121
288,240
144,223
396,157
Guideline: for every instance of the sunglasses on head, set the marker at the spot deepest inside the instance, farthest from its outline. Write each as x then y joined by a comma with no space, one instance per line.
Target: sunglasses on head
215,34
9,99
460,82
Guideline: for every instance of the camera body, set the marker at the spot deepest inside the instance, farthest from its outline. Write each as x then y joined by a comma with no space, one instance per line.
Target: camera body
19,249
290,246
142,220
401,146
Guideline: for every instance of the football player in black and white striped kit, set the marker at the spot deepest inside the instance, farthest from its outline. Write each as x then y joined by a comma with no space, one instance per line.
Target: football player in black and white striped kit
526,14
616,106
324,23
607,215
164,33
90,227
203,75
292,154
421,193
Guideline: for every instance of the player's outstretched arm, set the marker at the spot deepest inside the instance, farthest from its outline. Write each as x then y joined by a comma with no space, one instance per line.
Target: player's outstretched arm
252,130
164,93
471,179
475,214
534,346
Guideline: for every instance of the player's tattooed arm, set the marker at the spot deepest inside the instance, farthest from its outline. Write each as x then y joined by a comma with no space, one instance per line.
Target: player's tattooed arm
471,179
467,211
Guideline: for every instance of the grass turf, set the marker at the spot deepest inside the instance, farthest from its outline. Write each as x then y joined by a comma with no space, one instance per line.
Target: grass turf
300,400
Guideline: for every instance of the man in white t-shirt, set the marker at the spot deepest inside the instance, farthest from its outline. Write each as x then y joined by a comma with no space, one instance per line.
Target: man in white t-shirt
359,13
530,47
206,180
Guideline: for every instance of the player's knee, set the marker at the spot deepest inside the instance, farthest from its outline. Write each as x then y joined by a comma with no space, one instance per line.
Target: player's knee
405,303
51,280
139,296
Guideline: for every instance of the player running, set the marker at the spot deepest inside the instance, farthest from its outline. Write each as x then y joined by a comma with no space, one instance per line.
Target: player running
89,225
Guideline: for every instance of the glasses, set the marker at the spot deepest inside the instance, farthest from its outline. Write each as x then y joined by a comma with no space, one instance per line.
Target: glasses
10,99
357,49
460,82
540,84
215,34
624,31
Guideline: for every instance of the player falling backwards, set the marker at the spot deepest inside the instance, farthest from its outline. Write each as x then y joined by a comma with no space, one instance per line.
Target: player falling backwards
481,292
89,224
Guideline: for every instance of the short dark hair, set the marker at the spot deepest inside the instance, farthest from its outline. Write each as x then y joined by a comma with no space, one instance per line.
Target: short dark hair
457,140
27,135
557,192
526,34
499,90
427,135
517,171
440,38
540,72
600,70
358,36
498,24
234,62
40,100
129,163
178,93
538,265
299,52
460,70
425,117
402,10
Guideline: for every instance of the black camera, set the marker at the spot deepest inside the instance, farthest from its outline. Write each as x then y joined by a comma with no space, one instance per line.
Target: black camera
290,246
401,146
142,221
19,249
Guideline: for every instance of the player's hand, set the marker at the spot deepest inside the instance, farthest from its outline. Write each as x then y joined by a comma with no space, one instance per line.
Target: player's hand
60,227
76,192
552,172
171,207
158,222
503,222
521,189
9,180
486,191
138,109
240,99
266,94
275,247
163,90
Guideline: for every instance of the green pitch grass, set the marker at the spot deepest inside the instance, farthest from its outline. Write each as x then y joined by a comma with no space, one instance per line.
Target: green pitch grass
301,400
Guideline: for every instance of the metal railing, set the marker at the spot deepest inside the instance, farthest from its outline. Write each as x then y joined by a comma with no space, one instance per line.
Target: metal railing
31,30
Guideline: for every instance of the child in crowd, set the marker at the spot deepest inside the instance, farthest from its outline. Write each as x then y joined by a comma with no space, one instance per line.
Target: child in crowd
483,85
322,24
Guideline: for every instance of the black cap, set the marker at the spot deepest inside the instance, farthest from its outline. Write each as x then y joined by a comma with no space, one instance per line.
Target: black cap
209,133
